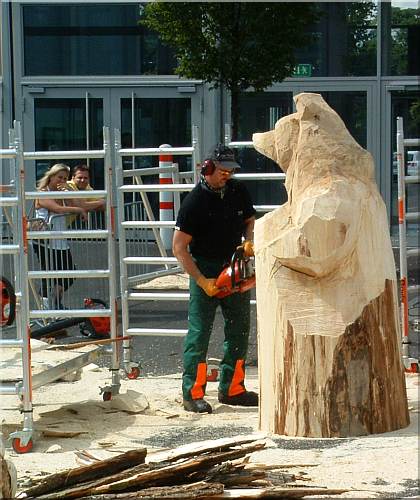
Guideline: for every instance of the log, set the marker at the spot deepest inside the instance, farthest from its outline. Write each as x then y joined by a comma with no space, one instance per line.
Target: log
61,434
277,492
8,477
78,475
327,301
196,490
84,488
175,473
143,476
197,448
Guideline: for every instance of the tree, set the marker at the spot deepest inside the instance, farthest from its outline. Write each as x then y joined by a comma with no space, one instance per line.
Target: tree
239,45
403,19
361,20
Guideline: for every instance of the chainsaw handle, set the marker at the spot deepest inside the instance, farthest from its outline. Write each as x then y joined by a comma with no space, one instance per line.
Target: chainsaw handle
238,257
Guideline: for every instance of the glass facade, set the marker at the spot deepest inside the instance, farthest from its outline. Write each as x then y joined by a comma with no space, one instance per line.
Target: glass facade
155,120
78,40
92,39
401,39
344,40
147,123
61,125
352,108
259,113
406,105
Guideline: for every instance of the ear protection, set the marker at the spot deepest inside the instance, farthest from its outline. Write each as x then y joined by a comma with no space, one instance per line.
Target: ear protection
208,167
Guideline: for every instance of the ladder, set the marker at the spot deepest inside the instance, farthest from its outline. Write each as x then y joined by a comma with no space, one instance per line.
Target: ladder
411,362
170,263
22,440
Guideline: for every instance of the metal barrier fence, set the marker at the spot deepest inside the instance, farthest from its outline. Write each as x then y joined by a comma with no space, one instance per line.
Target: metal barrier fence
166,264
22,440
405,217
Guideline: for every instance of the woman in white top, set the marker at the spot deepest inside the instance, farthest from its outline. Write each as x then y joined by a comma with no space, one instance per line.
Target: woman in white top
55,255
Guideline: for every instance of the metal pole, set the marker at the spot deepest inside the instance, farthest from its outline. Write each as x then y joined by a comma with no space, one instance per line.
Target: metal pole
87,126
123,250
111,242
166,199
403,237
22,296
196,158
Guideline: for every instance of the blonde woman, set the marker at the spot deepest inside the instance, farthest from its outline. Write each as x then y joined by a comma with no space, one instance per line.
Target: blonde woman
55,255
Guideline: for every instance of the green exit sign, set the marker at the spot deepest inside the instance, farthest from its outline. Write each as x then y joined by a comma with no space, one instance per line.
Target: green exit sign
302,70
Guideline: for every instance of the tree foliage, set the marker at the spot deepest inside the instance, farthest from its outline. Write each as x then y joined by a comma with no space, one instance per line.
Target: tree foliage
239,45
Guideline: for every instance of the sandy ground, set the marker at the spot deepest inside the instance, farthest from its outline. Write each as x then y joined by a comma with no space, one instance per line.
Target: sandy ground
374,466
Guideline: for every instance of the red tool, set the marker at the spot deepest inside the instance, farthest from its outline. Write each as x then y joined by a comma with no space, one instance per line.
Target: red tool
8,302
238,276
95,327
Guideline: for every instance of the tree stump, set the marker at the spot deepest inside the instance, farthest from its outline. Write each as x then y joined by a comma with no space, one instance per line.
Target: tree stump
8,477
327,302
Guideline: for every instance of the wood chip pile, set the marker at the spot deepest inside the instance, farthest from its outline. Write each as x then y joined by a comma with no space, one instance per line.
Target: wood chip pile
210,469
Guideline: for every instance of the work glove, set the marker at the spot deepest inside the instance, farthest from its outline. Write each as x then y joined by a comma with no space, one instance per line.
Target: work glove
208,285
248,247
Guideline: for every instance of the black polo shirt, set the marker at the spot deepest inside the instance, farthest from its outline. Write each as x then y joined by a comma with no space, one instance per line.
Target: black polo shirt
215,223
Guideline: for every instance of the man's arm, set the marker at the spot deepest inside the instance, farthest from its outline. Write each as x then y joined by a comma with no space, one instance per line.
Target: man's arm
91,205
249,228
180,244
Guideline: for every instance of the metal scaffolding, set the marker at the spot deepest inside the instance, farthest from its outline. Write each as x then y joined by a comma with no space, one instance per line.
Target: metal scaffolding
22,440
404,217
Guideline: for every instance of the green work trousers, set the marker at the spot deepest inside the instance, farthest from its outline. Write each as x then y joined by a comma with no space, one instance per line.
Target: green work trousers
201,314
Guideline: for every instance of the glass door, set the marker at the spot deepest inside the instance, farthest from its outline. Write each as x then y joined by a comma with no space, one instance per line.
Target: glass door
405,103
151,117
63,120
72,119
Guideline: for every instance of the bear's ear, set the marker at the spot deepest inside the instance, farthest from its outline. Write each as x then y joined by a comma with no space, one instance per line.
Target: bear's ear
309,106
265,143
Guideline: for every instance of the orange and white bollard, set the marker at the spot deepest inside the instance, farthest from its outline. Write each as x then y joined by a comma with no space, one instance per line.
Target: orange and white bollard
166,198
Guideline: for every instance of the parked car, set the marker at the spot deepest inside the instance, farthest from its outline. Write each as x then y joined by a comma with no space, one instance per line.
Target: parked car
412,164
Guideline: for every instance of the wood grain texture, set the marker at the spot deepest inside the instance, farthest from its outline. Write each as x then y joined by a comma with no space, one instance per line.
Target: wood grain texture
327,303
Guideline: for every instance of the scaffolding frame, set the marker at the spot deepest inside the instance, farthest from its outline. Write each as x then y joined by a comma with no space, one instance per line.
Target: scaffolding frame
410,362
170,263
22,440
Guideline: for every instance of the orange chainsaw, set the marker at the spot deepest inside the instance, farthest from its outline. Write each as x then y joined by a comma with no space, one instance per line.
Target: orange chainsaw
238,276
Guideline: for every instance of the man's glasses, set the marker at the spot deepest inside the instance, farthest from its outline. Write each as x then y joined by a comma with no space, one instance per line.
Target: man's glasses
226,172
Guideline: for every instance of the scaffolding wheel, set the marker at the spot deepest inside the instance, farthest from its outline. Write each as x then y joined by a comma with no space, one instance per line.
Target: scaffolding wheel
133,373
107,395
19,448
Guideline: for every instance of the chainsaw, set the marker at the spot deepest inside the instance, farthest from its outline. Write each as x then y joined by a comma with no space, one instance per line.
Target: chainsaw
238,276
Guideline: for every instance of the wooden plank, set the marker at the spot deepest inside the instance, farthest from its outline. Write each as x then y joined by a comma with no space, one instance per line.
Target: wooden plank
199,447
70,477
77,345
277,492
196,490
159,474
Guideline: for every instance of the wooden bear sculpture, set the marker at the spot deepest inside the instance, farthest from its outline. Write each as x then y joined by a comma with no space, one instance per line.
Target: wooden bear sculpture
327,302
